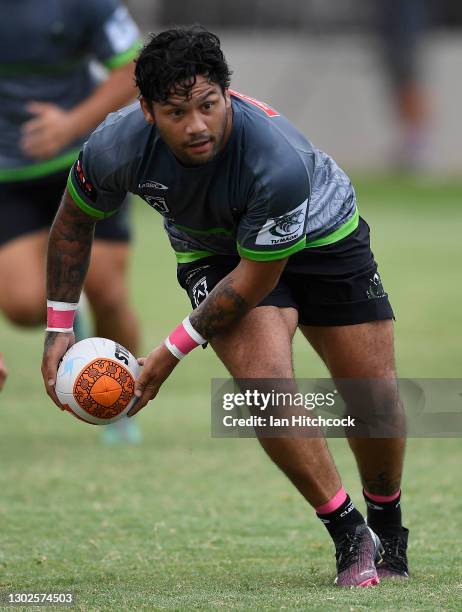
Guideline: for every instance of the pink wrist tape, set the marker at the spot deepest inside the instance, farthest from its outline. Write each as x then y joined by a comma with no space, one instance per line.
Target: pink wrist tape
60,316
183,339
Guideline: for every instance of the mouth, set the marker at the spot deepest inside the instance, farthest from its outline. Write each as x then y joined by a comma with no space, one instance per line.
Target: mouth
201,146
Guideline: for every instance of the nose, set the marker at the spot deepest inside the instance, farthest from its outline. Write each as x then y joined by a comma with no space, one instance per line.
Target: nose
195,124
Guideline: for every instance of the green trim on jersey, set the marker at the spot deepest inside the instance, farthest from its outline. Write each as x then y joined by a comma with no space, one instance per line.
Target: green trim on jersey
342,232
191,256
93,212
33,171
30,69
213,230
125,57
271,255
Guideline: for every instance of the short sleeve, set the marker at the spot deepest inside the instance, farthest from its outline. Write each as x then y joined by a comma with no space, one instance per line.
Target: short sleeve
115,38
94,186
275,221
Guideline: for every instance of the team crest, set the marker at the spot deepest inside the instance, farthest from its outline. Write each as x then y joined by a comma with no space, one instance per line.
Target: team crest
286,228
158,203
200,291
376,289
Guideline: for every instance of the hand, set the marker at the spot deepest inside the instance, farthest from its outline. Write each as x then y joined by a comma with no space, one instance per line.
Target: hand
157,367
56,344
3,372
48,132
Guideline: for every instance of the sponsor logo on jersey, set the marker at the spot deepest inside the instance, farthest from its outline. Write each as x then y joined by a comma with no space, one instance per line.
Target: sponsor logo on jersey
158,203
83,182
376,289
152,185
286,228
200,291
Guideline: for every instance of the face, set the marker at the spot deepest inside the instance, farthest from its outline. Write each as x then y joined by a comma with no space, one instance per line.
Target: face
195,129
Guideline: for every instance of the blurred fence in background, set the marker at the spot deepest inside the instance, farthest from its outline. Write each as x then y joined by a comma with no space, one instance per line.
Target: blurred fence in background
306,15
374,82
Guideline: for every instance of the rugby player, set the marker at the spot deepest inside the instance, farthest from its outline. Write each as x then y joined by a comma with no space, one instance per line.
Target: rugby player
50,99
3,372
267,236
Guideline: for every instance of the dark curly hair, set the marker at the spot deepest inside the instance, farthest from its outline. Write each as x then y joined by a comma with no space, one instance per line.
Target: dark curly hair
171,61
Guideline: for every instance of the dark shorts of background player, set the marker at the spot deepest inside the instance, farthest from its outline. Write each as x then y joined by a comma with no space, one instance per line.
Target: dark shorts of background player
31,205
337,284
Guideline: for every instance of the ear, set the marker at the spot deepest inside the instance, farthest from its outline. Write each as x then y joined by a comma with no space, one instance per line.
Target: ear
227,99
147,112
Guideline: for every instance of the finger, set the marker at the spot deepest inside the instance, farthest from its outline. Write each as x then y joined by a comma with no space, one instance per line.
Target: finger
134,409
142,382
50,389
37,124
148,394
37,108
49,372
37,149
39,139
141,361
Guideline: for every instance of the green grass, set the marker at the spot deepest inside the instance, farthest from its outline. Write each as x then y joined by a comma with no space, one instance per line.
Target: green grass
185,521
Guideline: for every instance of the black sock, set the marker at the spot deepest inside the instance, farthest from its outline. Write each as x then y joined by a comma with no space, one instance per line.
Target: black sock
344,518
383,516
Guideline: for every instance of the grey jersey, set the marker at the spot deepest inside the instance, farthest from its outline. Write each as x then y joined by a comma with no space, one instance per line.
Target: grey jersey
269,193
46,49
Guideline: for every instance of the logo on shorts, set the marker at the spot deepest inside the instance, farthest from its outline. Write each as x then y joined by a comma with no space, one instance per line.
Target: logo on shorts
285,228
157,203
200,291
376,289
152,185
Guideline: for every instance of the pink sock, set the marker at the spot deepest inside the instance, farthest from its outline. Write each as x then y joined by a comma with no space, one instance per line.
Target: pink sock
382,498
333,503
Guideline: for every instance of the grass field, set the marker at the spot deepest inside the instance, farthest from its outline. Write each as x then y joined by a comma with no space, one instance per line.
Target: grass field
184,521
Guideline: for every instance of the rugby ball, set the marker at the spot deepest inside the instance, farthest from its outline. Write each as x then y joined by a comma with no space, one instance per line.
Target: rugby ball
96,381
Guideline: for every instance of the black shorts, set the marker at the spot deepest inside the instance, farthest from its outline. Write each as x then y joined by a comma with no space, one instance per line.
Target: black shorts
29,206
337,284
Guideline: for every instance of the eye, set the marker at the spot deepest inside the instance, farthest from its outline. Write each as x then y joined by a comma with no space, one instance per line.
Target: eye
208,105
175,113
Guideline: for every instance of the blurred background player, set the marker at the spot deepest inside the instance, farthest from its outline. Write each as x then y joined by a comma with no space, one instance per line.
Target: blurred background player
3,372
403,25
51,97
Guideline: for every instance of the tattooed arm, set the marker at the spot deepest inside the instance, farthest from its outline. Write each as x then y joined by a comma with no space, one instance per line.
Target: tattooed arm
69,249
235,295
241,290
